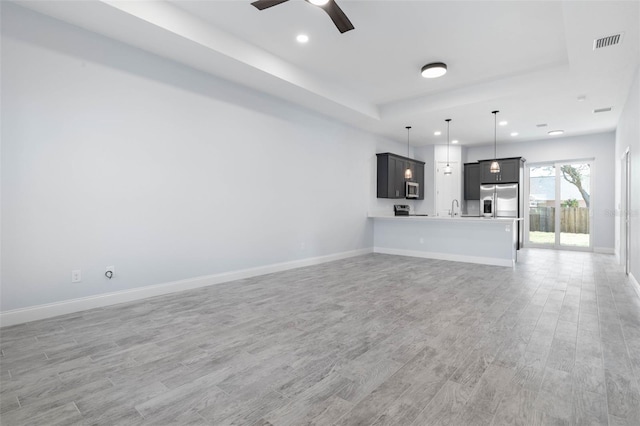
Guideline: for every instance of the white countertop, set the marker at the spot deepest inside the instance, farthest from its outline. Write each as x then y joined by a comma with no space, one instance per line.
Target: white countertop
447,218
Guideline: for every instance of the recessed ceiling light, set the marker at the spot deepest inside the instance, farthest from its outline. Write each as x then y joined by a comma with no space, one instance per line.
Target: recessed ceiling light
555,132
302,38
434,70
437,133
503,123
514,133
319,2
455,141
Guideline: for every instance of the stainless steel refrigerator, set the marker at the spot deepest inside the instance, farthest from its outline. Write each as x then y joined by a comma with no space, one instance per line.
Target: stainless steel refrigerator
502,200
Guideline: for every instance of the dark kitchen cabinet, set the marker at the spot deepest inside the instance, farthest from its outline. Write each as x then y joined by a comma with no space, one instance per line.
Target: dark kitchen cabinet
391,181
419,177
472,181
509,171
398,177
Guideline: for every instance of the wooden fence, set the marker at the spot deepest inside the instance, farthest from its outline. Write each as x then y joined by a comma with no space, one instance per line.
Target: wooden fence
574,220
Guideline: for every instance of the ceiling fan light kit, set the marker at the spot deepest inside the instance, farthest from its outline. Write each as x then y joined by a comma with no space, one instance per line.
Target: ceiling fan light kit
340,20
434,70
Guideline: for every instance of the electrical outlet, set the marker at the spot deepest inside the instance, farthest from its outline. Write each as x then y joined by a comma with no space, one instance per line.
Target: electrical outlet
76,276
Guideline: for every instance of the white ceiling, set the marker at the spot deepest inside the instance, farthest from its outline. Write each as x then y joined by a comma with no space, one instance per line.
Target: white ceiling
529,59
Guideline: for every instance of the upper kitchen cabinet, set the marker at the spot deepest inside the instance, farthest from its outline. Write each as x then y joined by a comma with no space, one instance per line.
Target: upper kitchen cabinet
472,181
510,169
391,181
419,177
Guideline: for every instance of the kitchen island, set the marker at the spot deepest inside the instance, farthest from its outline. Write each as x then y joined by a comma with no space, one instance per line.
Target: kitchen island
488,241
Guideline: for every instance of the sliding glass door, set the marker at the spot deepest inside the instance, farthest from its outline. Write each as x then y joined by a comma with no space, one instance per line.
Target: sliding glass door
560,206
575,205
542,206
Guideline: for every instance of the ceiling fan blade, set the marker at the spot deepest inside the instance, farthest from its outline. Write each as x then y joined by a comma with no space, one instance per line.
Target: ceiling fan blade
338,17
265,4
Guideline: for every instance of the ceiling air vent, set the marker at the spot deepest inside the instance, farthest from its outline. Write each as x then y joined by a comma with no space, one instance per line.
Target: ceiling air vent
607,109
541,125
607,41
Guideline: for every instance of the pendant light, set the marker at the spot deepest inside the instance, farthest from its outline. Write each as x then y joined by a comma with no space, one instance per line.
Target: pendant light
495,166
447,169
407,173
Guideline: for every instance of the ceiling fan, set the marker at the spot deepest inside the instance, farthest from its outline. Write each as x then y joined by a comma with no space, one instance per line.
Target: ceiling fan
333,10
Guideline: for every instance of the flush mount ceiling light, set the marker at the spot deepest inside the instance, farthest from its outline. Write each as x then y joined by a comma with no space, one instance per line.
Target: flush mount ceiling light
495,166
302,38
447,169
434,70
555,132
407,173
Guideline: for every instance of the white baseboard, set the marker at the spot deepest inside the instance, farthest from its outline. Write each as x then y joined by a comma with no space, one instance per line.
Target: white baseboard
446,256
34,313
604,250
634,283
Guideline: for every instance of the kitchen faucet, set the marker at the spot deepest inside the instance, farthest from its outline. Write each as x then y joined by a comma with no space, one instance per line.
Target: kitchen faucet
452,210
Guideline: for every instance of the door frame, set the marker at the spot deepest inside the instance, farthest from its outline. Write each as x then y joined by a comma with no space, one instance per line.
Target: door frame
557,163
625,215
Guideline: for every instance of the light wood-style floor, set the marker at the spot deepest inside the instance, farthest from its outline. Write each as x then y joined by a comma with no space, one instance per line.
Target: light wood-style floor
372,340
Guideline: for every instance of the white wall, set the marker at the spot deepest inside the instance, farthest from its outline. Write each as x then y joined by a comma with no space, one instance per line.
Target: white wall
431,154
113,156
600,146
427,206
628,136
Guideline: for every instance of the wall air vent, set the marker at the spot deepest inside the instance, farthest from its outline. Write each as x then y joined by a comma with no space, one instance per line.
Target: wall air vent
607,109
541,125
607,41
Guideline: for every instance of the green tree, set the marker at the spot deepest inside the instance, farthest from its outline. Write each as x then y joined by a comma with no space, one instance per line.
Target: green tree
574,176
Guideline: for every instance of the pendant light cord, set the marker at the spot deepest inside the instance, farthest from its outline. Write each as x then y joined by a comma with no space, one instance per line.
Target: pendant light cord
408,127
495,134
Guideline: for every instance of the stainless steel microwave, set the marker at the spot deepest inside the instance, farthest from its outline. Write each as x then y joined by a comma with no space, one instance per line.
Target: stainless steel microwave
412,190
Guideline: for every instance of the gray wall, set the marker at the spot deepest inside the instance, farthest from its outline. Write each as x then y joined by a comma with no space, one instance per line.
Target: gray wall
600,146
628,136
113,156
